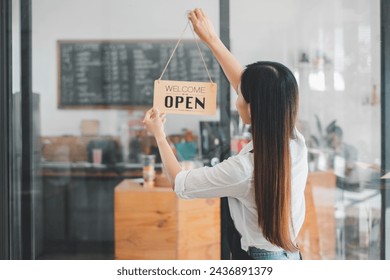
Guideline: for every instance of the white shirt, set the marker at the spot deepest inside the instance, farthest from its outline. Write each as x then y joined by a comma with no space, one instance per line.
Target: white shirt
233,178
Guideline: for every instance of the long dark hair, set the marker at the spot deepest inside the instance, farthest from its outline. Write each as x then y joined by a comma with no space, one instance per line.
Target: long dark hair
272,92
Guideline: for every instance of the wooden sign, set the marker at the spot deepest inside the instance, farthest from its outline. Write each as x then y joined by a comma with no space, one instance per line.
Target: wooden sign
178,97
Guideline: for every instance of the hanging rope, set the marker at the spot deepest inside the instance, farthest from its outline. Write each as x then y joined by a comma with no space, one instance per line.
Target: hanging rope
177,44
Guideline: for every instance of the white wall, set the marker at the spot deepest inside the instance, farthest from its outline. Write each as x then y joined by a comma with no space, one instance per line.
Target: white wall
101,19
347,31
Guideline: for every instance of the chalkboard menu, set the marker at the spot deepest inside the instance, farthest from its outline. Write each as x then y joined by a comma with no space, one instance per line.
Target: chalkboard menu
122,73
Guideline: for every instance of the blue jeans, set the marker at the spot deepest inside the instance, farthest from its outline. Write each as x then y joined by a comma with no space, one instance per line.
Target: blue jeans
260,254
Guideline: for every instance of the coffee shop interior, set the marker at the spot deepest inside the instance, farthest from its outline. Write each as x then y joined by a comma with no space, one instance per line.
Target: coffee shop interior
97,188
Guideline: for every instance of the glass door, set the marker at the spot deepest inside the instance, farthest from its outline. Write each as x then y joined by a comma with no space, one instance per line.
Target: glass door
333,47
83,70
86,76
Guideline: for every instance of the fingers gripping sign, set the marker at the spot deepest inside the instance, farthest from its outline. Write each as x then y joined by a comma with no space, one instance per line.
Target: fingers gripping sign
202,25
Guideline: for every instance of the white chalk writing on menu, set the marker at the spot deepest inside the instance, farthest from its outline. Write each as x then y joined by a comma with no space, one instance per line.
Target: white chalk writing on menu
122,73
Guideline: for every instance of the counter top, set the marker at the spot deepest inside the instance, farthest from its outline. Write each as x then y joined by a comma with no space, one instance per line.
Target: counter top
87,169
89,165
134,185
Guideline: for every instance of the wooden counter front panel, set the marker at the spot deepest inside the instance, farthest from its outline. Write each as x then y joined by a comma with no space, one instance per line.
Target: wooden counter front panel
155,224
199,229
145,225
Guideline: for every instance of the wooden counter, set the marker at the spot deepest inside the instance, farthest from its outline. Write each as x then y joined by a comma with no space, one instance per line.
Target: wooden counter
317,237
155,224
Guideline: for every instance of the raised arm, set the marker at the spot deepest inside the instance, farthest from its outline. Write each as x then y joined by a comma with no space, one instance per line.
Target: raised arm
205,30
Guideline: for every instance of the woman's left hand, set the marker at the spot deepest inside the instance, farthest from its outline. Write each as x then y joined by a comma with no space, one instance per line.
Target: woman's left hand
154,122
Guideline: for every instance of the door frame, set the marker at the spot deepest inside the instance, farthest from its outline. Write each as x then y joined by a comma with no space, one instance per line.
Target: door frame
5,127
385,127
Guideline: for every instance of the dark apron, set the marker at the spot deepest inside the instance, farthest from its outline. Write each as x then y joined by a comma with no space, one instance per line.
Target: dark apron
234,239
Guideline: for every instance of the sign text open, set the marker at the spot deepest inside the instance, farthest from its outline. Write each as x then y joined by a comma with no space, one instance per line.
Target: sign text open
178,97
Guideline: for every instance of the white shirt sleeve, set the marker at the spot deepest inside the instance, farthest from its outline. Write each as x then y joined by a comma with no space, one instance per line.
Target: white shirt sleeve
226,179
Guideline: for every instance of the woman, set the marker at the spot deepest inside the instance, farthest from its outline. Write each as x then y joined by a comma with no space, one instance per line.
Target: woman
265,182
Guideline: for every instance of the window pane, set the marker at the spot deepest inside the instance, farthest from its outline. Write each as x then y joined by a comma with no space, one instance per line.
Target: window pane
94,64
333,48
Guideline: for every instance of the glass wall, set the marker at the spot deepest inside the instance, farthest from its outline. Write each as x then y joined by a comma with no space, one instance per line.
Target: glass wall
93,68
16,223
333,47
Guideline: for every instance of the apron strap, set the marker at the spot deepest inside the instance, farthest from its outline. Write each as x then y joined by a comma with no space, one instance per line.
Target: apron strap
234,238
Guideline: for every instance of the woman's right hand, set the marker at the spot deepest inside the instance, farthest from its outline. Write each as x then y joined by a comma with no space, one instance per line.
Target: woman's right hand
205,30
203,27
